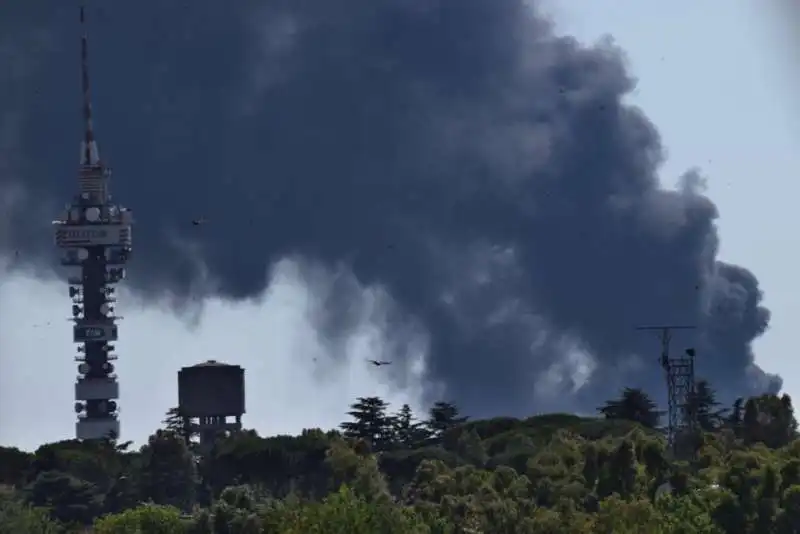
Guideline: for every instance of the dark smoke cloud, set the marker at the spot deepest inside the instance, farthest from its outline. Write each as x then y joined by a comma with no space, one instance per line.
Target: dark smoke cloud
482,169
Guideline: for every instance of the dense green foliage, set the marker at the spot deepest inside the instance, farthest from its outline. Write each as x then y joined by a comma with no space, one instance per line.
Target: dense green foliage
385,473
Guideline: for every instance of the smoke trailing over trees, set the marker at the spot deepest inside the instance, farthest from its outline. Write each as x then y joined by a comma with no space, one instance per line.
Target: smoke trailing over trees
480,168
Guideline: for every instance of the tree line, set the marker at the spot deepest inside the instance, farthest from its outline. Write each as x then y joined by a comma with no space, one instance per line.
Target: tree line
392,472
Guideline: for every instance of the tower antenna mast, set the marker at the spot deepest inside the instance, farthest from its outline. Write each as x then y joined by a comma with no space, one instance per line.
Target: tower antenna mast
95,237
90,155
679,372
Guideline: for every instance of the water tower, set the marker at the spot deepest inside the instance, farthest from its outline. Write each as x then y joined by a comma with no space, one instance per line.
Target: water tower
211,400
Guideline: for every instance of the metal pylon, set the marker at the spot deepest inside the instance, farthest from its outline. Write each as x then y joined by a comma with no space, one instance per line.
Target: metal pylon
680,386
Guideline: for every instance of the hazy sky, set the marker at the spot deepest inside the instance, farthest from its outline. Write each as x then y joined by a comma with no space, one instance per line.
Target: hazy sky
708,78
712,77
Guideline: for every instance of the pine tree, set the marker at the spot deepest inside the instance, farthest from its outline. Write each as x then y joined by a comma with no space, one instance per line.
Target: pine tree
442,417
750,421
704,408
174,422
735,419
633,405
370,422
408,432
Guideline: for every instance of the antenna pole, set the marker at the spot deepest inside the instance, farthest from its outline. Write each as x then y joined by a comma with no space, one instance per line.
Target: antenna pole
679,373
89,153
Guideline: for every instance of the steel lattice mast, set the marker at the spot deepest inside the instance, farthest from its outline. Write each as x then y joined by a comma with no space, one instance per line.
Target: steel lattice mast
679,373
95,236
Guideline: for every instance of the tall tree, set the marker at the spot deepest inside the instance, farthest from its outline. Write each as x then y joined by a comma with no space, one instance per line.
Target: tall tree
174,422
703,406
370,423
168,473
736,416
442,417
751,426
633,405
770,420
408,432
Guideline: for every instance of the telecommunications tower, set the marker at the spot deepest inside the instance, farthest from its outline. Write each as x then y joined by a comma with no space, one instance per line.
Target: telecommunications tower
679,372
95,236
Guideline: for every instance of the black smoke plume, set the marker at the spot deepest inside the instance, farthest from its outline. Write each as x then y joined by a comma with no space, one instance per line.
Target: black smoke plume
459,153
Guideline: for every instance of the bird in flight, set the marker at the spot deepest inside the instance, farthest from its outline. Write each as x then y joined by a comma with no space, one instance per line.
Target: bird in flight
198,222
378,363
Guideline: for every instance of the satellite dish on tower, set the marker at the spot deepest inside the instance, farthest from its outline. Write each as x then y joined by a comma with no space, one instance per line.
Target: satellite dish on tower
92,214
83,368
83,254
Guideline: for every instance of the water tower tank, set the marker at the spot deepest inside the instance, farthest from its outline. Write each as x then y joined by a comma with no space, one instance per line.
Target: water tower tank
211,389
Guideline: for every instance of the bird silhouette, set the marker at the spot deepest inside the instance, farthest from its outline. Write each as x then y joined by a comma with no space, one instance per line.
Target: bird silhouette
198,222
378,363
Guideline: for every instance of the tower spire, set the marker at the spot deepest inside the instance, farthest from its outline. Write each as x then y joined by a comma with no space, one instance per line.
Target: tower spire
89,152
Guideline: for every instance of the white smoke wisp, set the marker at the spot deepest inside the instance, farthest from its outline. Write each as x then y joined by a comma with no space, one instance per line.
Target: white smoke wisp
293,380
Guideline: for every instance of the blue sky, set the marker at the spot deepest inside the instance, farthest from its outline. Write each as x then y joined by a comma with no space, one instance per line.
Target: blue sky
715,79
